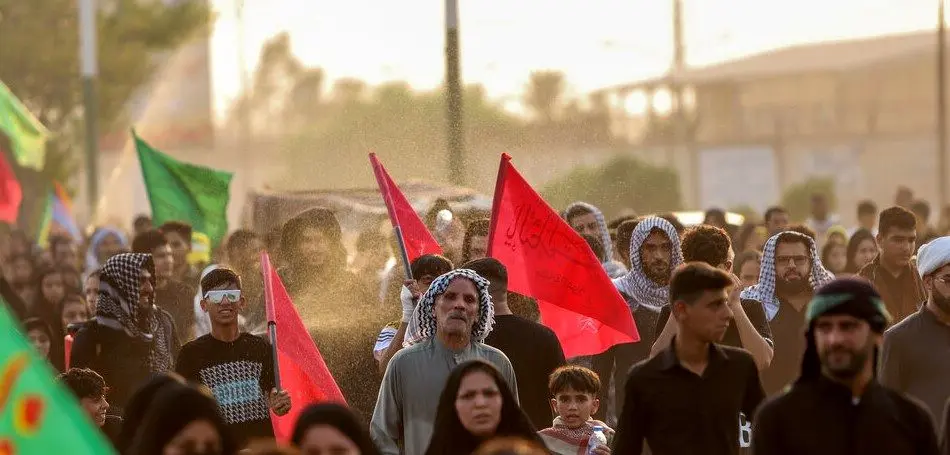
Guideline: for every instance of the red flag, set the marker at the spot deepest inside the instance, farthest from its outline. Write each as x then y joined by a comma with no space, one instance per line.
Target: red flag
415,235
547,260
11,194
302,370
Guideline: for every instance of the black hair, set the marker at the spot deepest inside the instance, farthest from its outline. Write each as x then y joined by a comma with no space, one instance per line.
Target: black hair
181,228
30,324
433,265
337,416
791,236
176,406
84,383
321,219
139,404
476,228
219,277
895,218
492,270
854,243
803,230
624,233
867,207
744,257
148,241
826,252
574,377
142,219
616,222
448,433
772,211
691,280
714,213
705,243
239,240
596,245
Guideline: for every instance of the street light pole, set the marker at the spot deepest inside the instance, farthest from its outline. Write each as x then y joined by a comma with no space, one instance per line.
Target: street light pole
941,107
89,68
453,95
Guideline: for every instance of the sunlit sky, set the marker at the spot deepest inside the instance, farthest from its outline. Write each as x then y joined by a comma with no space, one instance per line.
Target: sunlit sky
596,43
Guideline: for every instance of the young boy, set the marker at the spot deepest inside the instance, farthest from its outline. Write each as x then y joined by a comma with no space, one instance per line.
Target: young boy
237,367
575,390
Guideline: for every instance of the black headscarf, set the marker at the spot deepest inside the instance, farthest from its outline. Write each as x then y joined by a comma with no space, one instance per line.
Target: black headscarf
173,408
139,405
449,437
336,416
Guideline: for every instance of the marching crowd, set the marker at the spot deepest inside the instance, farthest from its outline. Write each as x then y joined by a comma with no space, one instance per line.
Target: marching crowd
773,337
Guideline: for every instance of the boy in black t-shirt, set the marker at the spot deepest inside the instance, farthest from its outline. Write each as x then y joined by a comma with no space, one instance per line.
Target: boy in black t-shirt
237,367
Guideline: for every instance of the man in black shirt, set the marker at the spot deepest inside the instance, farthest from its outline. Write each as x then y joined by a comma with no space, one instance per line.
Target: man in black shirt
836,406
533,349
237,367
687,399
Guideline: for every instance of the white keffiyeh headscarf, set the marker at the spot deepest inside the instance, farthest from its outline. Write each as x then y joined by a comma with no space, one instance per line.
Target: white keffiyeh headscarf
613,268
635,283
764,291
422,325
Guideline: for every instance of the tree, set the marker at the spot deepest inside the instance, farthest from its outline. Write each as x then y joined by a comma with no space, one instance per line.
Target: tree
544,94
619,184
797,198
40,61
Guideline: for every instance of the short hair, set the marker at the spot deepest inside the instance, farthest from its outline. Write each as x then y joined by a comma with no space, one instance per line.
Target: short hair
84,383
744,257
181,228
492,270
430,264
624,233
714,213
142,220
596,245
867,207
576,211
240,239
789,237
921,208
895,218
574,377
772,211
705,243
148,241
371,239
803,230
219,277
476,228
692,279
615,223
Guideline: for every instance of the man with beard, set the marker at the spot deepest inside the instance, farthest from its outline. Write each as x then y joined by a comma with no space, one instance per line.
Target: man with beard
791,269
589,220
448,328
892,272
654,252
914,355
836,406
171,295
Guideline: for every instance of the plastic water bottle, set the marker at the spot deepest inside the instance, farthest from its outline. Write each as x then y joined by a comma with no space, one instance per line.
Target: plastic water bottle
597,439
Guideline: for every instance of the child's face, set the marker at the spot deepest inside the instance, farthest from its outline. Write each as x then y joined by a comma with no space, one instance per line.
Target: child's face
574,408
40,341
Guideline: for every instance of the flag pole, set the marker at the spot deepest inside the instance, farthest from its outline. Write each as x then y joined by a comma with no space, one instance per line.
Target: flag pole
387,199
271,317
496,200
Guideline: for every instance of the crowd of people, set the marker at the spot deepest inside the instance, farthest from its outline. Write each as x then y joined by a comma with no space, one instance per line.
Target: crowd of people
773,337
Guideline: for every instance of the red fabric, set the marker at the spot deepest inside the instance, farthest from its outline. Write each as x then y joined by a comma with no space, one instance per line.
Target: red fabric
417,238
302,371
547,260
68,343
11,194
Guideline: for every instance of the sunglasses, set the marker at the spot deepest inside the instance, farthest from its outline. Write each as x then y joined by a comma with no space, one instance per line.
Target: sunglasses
216,297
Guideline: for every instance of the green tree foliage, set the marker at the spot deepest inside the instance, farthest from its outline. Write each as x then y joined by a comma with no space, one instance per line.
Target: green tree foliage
797,198
39,61
621,183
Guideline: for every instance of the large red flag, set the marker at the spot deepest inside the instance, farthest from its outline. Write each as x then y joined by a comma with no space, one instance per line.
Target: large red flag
547,260
415,235
302,371
11,194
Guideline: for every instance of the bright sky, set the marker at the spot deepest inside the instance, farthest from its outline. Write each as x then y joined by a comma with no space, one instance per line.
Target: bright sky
596,43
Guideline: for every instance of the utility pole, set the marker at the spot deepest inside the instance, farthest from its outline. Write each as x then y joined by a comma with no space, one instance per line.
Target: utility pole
89,68
453,95
244,115
941,107
681,130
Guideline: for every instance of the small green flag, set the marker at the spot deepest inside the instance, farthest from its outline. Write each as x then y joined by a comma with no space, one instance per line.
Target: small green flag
181,191
37,414
26,134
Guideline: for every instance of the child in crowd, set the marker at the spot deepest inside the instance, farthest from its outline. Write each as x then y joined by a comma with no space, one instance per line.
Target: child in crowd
575,390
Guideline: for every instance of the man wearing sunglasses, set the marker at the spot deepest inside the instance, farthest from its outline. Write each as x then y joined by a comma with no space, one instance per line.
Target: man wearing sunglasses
237,367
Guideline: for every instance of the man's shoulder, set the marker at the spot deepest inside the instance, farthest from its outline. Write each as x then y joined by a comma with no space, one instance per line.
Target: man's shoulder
908,406
905,327
736,354
520,324
197,343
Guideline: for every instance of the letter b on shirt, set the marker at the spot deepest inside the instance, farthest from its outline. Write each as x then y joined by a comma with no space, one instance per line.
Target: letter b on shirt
745,431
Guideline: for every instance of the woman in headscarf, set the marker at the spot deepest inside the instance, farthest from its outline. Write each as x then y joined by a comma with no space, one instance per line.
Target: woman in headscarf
329,428
131,337
104,244
475,406
139,405
50,292
862,249
834,256
588,219
183,420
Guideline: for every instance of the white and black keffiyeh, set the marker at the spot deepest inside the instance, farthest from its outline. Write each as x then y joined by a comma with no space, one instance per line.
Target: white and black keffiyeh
635,283
117,308
764,291
422,325
613,268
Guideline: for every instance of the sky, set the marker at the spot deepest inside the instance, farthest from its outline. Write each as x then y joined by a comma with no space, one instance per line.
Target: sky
596,43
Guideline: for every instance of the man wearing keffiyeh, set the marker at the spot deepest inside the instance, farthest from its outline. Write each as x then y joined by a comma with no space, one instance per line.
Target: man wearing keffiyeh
131,338
447,328
791,271
587,219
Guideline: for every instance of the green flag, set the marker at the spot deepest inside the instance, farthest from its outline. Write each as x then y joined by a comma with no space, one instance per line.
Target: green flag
26,134
181,191
37,414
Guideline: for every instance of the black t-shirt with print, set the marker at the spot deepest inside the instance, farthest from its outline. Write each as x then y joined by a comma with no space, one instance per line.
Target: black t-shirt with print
239,374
